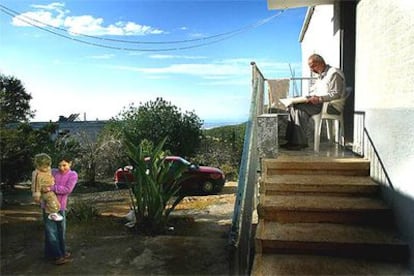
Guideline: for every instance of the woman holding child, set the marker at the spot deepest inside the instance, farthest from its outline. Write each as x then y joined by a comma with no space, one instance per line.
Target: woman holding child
55,230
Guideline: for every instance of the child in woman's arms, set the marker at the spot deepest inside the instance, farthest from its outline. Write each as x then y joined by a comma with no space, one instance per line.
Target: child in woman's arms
42,180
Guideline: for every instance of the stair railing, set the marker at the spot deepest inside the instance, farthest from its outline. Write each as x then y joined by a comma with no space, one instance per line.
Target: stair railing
364,146
240,236
241,228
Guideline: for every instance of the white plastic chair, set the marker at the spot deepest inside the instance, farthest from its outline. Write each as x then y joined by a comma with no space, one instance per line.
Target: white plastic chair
337,118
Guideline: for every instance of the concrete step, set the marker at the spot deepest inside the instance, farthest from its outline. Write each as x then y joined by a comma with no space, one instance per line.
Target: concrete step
312,165
318,184
335,209
324,216
293,264
330,239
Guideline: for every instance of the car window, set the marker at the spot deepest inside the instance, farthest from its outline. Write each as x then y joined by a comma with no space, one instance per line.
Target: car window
177,164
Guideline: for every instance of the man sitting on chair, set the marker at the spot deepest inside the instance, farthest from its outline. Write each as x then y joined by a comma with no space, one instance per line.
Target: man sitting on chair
329,86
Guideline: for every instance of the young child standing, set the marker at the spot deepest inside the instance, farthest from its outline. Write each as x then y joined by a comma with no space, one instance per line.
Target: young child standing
41,179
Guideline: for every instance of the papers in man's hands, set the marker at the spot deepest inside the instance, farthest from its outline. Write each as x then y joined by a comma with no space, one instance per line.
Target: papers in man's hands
289,101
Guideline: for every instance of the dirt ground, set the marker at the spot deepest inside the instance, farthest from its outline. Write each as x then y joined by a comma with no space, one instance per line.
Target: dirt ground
196,244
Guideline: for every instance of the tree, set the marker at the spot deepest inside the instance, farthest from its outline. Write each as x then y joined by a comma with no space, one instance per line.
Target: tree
158,119
18,140
18,146
100,157
14,101
110,154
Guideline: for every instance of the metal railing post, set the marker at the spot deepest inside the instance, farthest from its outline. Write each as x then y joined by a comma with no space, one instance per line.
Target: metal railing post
241,228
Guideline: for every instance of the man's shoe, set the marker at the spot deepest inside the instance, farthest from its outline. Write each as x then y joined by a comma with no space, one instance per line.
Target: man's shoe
296,146
286,145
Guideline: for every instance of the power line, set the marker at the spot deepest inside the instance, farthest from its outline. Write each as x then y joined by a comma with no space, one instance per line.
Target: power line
206,40
251,26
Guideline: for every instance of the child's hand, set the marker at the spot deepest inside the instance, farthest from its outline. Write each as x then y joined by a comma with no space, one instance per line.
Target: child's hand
45,189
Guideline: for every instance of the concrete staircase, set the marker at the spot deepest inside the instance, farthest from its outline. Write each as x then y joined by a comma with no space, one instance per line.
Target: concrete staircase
324,216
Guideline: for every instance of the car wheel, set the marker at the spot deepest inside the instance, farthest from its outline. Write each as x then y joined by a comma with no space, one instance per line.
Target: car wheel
218,189
207,187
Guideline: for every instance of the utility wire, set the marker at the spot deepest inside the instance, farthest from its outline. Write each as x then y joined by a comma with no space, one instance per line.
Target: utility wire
245,28
218,37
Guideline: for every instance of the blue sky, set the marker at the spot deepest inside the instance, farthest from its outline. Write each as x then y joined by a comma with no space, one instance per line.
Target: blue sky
195,54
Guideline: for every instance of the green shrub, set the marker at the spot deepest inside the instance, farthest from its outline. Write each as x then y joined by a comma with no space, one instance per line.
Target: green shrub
230,172
222,147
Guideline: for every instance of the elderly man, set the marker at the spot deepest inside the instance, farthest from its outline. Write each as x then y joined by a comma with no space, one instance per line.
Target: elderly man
329,86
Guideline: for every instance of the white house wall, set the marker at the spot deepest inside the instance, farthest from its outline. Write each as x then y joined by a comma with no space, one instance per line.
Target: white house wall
320,38
384,89
384,83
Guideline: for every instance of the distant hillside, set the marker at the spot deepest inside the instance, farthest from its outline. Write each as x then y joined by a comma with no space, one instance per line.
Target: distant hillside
225,132
222,147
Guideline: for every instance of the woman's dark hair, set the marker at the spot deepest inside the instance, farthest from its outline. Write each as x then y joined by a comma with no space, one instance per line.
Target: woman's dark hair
65,157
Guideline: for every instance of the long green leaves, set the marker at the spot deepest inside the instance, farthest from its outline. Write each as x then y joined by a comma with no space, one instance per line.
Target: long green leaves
155,184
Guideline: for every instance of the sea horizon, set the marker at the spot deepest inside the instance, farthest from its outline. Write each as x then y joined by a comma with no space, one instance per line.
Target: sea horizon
218,123
207,124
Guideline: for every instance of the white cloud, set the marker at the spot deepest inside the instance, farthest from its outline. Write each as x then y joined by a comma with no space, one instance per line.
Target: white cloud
241,81
232,70
39,18
51,6
279,69
210,70
54,15
164,56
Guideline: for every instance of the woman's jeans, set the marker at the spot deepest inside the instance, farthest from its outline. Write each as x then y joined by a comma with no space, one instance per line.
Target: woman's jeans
54,236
